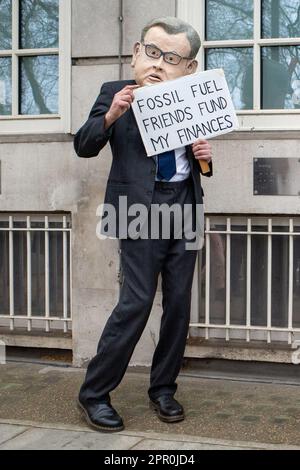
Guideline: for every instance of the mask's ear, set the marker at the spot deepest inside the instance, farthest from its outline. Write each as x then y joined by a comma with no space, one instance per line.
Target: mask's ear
192,66
136,50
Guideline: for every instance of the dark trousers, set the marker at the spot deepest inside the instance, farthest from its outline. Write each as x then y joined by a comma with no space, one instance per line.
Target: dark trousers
142,261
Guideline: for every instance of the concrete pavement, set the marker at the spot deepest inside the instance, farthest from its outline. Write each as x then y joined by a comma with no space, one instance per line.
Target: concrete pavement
38,411
34,436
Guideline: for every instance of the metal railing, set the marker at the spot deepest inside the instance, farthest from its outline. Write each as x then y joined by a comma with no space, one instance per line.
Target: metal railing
35,272
248,280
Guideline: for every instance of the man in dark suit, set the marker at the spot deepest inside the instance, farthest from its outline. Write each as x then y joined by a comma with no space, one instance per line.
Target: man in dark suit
167,50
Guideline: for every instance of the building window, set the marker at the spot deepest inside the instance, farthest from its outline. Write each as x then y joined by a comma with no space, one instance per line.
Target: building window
35,271
34,65
249,279
257,43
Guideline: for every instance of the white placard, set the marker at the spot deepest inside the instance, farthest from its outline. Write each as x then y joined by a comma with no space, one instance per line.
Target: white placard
176,113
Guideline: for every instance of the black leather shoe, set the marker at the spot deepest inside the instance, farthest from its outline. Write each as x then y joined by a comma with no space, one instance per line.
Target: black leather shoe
102,416
167,409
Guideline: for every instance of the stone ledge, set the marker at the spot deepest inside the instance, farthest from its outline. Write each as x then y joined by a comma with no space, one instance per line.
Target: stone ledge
36,339
239,351
34,138
275,134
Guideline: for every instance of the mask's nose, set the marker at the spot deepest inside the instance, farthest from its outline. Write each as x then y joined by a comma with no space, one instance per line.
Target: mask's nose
159,63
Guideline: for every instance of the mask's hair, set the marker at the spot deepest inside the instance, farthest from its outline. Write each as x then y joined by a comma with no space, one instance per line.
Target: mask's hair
172,25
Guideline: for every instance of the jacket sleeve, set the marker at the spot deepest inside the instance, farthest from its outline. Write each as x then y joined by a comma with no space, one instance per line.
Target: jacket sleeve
92,136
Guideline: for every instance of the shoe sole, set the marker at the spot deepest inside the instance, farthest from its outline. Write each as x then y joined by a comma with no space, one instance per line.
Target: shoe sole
165,419
96,426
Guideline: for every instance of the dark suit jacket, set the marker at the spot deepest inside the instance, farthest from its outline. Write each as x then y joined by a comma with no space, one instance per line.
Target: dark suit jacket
132,173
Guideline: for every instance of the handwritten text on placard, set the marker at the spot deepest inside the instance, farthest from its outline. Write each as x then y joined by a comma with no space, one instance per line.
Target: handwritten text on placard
176,113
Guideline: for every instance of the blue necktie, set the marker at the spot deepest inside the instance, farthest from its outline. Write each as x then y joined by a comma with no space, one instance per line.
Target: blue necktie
166,165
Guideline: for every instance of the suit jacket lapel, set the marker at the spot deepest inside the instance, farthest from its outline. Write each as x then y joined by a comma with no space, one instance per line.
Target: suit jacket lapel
189,154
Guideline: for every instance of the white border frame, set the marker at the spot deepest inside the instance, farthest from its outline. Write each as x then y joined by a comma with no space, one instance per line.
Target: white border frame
193,11
43,124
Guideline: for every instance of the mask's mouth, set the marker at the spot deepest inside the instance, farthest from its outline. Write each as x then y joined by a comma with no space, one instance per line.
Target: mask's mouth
155,77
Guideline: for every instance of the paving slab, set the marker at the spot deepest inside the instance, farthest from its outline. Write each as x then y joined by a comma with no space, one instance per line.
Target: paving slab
149,444
43,436
8,431
53,439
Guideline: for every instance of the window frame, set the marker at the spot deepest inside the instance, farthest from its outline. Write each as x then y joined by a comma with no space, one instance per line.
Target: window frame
50,123
193,11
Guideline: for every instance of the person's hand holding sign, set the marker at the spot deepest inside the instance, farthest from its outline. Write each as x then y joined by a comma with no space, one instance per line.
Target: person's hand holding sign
120,104
203,153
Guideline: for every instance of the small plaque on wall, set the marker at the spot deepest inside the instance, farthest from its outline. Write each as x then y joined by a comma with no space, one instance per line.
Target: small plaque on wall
276,177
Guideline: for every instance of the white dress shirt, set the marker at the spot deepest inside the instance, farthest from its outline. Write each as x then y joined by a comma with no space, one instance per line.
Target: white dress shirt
182,166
